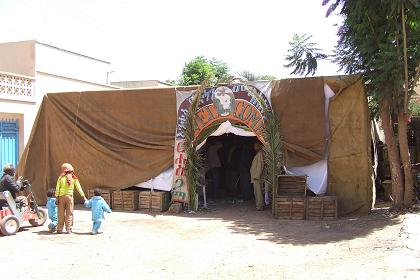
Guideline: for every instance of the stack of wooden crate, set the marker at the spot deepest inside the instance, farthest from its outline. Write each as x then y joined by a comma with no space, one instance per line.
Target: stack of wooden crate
125,200
290,197
154,200
291,201
106,195
321,207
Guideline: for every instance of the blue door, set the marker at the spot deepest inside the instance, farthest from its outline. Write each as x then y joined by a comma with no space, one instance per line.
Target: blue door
9,142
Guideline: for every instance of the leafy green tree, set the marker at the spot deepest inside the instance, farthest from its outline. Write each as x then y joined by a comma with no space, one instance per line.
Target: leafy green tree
414,106
171,82
249,76
380,41
303,55
267,77
221,71
201,68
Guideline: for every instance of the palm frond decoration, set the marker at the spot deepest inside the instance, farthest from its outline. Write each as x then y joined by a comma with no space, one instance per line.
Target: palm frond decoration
273,155
194,159
207,132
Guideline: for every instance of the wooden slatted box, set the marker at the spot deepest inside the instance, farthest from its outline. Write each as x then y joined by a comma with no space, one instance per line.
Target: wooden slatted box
106,195
154,200
321,207
125,200
291,185
290,207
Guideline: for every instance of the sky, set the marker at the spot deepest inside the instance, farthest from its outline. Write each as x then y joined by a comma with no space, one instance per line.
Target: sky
152,40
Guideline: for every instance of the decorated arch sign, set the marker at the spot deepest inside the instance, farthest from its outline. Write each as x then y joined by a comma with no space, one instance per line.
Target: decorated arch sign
235,103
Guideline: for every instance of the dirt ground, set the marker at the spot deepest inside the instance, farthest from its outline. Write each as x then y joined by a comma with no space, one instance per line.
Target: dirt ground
232,241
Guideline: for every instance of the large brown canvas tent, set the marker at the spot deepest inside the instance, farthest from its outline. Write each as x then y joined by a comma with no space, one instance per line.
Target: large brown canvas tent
118,138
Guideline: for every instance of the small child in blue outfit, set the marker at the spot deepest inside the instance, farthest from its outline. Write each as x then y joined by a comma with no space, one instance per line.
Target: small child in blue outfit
98,205
52,210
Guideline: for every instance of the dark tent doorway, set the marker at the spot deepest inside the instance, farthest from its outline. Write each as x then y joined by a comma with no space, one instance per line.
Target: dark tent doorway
226,170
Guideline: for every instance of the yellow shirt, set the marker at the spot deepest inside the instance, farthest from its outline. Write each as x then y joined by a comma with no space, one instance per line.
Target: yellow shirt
63,188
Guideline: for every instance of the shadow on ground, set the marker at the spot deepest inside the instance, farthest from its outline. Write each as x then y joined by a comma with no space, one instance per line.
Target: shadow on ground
242,218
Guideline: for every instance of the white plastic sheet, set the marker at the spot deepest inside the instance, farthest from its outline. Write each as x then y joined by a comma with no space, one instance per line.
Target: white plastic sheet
317,176
328,93
160,182
227,127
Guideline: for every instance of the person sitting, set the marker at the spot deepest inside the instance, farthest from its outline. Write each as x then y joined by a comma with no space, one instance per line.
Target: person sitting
8,183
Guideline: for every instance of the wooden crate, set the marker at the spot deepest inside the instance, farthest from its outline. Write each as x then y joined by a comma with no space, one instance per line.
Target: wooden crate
106,195
154,201
290,207
291,185
125,200
321,207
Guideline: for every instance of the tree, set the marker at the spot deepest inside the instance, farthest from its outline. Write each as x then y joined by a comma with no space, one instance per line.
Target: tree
303,55
201,68
171,82
221,71
249,76
380,40
267,77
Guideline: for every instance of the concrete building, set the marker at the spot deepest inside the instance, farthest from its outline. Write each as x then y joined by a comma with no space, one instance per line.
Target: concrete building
140,84
29,70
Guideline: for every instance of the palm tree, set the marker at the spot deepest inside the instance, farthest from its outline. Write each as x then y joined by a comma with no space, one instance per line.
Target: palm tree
303,55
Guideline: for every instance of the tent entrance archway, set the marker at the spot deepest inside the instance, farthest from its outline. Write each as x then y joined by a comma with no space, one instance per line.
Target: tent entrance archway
211,112
226,167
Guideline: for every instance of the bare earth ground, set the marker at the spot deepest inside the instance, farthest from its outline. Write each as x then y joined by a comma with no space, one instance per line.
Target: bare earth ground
230,242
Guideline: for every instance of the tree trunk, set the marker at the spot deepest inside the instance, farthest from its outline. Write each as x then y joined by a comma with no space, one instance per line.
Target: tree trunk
393,157
405,63
405,159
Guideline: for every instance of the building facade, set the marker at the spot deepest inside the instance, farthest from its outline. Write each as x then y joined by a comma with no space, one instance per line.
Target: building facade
141,84
29,70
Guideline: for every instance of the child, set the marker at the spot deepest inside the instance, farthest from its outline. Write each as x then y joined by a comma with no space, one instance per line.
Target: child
98,205
52,210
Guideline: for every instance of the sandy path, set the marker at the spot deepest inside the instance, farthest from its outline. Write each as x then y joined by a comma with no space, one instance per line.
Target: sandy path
230,242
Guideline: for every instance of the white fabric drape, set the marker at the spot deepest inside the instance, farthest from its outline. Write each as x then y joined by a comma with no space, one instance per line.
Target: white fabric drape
317,176
227,127
161,182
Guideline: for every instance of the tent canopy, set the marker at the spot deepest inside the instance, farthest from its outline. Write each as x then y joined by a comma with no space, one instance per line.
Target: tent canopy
118,138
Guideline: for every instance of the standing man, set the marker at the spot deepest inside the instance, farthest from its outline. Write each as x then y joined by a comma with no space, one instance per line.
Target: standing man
245,160
214,167
256,171
64,193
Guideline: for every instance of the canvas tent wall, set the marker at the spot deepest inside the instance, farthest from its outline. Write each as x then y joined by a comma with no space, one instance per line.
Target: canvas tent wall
118,138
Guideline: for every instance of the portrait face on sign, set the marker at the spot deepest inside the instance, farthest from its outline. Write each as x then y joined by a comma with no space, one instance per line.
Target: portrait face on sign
224,100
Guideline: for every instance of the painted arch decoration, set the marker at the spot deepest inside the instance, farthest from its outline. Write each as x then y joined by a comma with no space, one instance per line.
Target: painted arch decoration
235,103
